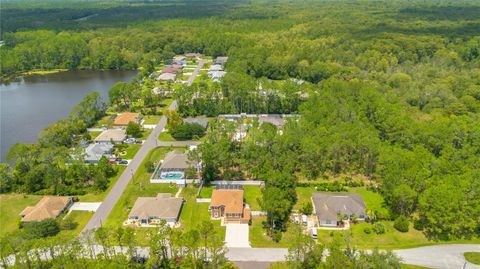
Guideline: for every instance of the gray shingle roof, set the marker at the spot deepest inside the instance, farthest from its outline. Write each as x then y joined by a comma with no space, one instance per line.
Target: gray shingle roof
162,206
329,205
176,160
95,151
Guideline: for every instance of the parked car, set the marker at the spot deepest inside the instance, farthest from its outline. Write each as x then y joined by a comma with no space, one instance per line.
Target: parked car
304,219
130,140
123,162
314,233
138,142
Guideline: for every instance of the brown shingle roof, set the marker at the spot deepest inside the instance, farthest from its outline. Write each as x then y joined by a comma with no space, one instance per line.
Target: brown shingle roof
126,117
48,207
231,199
117,135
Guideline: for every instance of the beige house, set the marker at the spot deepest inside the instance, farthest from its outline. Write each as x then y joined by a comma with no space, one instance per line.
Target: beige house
115,135
328,206
227,204
49,207
122,120
149,211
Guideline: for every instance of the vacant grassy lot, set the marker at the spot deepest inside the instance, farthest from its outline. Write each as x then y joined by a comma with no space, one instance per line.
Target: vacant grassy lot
259,238
151,119
10,206
473,257
140,186
166,136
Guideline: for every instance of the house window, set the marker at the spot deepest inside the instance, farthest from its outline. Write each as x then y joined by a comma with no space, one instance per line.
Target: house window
328,222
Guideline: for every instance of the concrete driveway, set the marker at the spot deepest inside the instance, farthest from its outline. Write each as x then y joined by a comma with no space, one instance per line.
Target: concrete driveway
85,206
237,236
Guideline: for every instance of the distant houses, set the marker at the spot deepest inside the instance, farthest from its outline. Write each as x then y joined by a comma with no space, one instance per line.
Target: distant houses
150,211
221,60
216,72
329,207
49,207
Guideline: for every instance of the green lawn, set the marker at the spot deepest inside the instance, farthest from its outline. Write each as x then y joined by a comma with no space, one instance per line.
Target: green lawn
140,186
206,192
473,257
145,134
259,238
151,119
194,213
252,195
131,150
10,206
99,196
166,136
94,135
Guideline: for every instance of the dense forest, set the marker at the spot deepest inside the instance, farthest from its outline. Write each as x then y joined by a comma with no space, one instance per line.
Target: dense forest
391,91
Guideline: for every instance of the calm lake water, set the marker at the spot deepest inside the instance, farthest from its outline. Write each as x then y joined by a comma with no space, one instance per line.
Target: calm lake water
28,106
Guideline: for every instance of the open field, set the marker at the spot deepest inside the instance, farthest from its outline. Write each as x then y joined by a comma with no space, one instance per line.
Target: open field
10,206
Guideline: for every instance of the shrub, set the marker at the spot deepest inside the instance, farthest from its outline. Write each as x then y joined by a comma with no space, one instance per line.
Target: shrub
149,166
68,224
187,131
307,208
134,129
40,229
401,224
367,230
379,228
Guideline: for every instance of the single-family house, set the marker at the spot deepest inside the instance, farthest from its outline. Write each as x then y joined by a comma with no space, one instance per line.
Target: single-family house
94,152
216,76
276,120
215,67
149,211
174,166
122,120
221,60
329,206
111,135
171,69
201,121
227,204
180,60
193,55
167,77
49,207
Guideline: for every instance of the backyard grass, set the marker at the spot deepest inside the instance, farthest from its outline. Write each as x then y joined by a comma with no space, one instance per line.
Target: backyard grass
252,195
151,119
194,213
10,206
99,196
473,257
140,186
206,192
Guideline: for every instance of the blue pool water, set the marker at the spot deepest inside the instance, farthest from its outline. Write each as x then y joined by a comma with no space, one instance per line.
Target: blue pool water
172,176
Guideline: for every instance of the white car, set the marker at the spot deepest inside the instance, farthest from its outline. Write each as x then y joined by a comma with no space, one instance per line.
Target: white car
304,219
296,218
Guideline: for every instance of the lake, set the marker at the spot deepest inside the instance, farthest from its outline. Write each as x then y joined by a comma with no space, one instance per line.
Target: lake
33,103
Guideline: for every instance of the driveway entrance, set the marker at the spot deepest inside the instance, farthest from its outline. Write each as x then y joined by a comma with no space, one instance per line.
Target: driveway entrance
237,236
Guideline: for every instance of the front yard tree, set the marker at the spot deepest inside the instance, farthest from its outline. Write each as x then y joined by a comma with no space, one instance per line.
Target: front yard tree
134,129
303,252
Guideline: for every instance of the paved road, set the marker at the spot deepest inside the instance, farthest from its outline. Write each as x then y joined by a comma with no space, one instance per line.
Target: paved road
195,72
439,256
112,198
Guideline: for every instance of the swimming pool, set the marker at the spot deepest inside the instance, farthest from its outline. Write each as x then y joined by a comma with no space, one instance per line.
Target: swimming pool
171,175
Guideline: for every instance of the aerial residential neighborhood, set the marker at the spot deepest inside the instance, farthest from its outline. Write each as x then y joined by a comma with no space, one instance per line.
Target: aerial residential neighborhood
240,134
